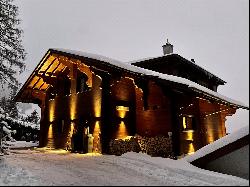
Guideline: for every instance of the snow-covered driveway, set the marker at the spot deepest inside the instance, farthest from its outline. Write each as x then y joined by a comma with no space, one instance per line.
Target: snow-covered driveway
25,167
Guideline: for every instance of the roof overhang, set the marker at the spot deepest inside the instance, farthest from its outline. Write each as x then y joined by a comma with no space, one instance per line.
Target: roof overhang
37,84
55,61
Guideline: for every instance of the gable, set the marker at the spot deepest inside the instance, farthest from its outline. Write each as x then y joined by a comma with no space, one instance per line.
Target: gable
174,64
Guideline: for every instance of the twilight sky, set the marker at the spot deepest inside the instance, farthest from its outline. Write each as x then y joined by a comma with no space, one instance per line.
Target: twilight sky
214,33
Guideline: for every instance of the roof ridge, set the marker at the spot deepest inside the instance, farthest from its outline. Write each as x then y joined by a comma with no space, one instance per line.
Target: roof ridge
174,54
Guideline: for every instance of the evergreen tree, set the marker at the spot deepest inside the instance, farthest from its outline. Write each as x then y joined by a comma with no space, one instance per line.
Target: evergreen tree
12,53
12,105
33,117
9,105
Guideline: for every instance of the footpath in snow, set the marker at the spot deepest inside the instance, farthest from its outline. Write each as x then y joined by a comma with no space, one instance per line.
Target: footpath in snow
40,167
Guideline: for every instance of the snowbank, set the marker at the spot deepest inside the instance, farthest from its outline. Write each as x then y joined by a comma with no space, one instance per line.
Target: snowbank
218,144
21,144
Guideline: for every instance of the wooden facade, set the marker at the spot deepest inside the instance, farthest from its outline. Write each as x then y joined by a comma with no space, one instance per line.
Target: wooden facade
82,97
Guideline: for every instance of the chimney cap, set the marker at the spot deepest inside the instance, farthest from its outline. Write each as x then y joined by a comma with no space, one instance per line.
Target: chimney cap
167,43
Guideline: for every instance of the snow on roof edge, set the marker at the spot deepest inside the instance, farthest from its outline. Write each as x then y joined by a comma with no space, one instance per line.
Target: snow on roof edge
151,58
140,70
242,132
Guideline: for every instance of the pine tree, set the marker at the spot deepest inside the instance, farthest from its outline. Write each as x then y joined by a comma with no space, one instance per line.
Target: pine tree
33,117
12,105
9,105
12,53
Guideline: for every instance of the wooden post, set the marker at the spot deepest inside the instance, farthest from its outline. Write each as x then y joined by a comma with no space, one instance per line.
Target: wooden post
175,126
73,78
105,107
143,84
42,124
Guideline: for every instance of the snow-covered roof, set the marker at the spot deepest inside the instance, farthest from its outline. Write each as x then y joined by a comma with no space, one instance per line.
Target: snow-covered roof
222,142
148,59
142,71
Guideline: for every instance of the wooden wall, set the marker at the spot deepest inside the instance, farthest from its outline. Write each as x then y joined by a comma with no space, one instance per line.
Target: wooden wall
123,94
161,115
212,119
76,110
156,120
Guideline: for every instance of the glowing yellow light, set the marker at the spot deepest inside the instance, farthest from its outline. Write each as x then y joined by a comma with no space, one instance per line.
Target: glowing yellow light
122,110
97,138
73,103
51,111
97,129
97,95
184,122
50,143
97,104
189,135
210,139
122,131
191,148
86,154
125,138
72,126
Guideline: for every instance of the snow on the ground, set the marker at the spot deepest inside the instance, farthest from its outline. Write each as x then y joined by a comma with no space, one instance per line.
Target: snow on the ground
44,167
244,131
16,176
21,144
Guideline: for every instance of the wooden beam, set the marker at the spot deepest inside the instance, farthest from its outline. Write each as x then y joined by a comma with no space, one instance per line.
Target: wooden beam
65,61
41,86
56,68
48,80
44,72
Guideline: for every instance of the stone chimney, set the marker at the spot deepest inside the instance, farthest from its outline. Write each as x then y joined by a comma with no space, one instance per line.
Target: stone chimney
167,48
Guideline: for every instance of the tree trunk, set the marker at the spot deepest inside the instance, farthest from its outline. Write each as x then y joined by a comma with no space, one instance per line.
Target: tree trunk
1,136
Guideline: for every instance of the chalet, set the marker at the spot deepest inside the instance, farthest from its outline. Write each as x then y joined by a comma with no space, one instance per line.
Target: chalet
86,94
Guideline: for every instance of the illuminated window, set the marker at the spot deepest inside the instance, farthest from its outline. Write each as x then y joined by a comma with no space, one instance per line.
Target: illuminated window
188,123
